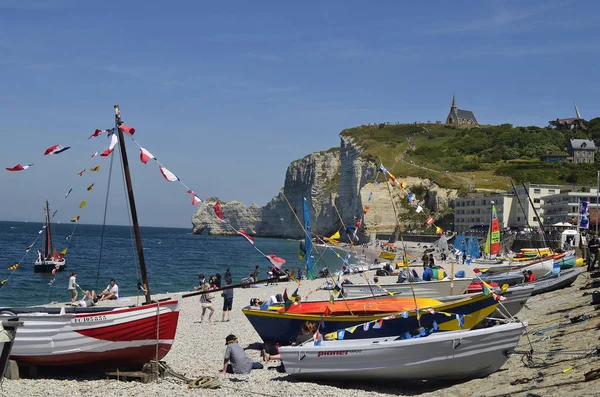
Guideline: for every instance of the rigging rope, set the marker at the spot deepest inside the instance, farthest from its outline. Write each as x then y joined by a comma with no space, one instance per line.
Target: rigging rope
104,219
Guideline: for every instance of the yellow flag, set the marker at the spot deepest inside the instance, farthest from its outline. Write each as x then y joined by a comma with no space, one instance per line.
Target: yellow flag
351,329
336,236
96,168
64,252
83,203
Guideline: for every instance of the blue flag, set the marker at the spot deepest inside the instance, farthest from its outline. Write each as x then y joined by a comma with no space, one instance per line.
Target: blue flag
308,240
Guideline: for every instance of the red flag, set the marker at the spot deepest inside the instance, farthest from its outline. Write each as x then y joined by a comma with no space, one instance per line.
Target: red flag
219,211
19,167
95,154
81,172
113,143
429,220
127,130
90,187
246,236
366,209
358,222
195,199
327,311
145,155
96,133
275,260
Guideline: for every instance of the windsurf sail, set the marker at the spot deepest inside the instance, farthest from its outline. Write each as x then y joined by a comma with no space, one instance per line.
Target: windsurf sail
492,242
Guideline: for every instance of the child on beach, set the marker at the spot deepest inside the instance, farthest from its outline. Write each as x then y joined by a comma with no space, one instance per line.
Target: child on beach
227,301
235,360
206,303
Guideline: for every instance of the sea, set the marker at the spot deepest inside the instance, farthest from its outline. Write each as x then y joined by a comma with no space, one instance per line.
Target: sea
174,258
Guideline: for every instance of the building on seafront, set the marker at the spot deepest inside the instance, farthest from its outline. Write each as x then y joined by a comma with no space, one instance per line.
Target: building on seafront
460,116
474,211
564,207
514,208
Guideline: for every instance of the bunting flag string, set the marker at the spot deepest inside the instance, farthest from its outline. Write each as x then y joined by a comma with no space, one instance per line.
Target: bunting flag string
56,149
412,199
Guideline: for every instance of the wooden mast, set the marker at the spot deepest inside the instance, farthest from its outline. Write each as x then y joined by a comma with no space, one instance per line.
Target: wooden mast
134,218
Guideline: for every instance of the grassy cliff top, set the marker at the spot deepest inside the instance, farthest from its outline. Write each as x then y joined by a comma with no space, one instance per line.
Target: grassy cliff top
485,157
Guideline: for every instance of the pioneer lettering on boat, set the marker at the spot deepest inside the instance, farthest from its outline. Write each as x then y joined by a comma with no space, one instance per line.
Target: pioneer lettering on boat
88,319
338,353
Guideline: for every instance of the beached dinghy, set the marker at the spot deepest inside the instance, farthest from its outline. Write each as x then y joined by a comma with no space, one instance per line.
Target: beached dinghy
445,355
98,337
279,326
509,278
552,282
424,289
540,267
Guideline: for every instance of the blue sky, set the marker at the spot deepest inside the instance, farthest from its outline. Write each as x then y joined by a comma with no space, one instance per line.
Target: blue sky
227,94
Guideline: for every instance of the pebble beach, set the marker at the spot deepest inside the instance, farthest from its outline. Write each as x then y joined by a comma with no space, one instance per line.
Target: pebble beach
198,351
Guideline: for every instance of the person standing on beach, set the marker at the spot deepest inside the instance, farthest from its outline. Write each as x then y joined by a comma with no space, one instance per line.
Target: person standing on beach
72,286
593,245
227,301
255,274
206,303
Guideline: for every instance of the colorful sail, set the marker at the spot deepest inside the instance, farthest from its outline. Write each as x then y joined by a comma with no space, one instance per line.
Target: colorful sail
308,240
460,243
492,243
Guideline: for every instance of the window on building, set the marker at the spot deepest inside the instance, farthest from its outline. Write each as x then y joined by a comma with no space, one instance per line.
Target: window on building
537,191
551,191
536,200
535,218
518,219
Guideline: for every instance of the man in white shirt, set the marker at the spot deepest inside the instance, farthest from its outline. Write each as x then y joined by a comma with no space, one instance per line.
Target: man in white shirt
111,291
72,287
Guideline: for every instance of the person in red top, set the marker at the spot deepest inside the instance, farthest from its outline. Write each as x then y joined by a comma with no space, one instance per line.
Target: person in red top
530,277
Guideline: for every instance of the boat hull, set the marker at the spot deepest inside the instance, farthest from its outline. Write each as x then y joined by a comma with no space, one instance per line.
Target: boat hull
117,338
48,266
446,355
422,289
283,328
553,282
516,298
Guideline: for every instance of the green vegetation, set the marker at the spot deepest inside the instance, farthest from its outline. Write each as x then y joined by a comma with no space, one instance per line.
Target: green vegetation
484,157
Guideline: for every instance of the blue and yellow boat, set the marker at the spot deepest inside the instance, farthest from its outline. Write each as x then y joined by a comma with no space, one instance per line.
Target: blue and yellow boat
275,325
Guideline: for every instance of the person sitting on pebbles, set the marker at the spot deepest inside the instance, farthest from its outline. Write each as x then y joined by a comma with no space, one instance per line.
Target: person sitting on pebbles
235,360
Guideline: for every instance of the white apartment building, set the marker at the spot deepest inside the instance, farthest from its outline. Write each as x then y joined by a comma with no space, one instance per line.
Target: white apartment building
564,207
475,210
537,192
514,209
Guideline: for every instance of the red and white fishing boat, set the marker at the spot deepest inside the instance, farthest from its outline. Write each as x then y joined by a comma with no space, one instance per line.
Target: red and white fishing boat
95,337
98,337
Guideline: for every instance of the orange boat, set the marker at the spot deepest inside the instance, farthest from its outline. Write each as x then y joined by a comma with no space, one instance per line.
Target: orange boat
361,306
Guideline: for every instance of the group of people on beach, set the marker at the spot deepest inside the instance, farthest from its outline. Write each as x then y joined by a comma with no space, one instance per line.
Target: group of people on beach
206,299
90,298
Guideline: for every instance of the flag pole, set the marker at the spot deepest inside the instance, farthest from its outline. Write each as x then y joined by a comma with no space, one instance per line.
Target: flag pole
597,204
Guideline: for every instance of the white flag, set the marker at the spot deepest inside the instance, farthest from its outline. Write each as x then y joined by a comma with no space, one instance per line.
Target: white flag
419,208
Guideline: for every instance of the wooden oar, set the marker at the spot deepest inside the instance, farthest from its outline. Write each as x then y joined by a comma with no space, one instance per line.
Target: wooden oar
190,294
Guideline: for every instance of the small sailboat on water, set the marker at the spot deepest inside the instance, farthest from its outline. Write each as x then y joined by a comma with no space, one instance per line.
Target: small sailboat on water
48,258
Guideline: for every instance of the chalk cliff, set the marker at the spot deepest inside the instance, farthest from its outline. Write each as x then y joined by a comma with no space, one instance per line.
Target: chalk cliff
339,178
